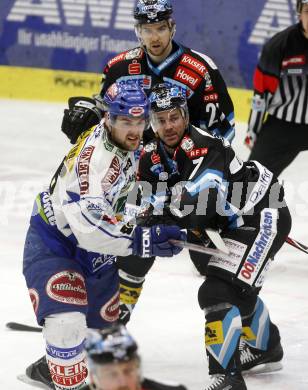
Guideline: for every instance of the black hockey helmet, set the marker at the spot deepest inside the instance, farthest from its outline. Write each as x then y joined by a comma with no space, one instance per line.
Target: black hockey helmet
166,98
110,345
152,11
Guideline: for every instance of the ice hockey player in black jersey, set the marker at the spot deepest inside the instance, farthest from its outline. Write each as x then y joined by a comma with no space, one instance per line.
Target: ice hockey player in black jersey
281,91
114,362
204,185
160,59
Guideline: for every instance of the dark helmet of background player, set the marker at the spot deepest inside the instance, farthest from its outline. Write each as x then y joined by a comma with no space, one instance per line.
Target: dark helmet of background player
166,98
152,11
110,345
299,4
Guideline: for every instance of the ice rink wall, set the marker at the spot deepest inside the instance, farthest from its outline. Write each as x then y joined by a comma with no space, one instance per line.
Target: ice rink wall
53,49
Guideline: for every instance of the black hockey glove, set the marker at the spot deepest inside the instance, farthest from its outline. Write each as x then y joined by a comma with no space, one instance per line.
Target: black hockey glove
80,116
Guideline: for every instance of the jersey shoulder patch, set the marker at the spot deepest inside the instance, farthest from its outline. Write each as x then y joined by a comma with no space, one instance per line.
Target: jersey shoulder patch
150,147
135,53
206,58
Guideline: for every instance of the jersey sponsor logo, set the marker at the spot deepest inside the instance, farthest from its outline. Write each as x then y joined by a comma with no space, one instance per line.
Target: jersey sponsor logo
67,287
232,261
157,169
214,333
72,375
150,147
35,299
197,153
83,167
111,310
134,68
134,53
101,261
294,61
129,295
128,166
74,152
185,90
187,144
262,185
155,158
47,208
143,81
136,111
147,82
116,59
213,97
248,334
260,248
113,90
188,77
64,353
193,64
98,207
146,243
112,174
208,82
206,58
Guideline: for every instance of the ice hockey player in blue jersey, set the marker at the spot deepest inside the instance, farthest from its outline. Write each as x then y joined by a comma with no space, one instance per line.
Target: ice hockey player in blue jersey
77,229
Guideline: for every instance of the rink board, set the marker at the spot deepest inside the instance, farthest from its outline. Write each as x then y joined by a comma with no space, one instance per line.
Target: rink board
56,86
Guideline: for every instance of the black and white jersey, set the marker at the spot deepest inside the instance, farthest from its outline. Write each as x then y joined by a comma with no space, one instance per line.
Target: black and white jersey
207,184
210,106
280,79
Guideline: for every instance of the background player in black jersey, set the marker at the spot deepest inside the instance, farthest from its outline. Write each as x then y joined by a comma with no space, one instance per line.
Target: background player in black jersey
281,91
159,59
208,186
114,362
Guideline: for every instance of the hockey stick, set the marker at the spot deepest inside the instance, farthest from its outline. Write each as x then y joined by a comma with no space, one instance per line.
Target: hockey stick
297,245
22,327
197,248
182,244
221,252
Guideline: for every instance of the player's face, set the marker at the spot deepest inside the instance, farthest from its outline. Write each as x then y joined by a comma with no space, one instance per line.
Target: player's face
156,37
170,126
304,19
117,376
126,132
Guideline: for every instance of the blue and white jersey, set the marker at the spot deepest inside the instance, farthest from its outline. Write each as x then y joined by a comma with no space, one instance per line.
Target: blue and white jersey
81,214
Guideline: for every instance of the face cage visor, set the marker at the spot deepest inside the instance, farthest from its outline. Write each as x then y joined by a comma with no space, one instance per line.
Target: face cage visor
156,122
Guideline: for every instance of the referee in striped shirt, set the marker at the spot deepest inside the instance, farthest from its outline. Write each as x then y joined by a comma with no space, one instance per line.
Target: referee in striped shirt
278,122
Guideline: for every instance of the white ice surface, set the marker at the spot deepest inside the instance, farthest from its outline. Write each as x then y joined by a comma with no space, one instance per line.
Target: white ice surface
167,322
